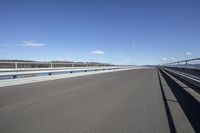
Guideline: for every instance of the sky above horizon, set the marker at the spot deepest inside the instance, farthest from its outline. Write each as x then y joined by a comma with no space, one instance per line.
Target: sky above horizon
100,30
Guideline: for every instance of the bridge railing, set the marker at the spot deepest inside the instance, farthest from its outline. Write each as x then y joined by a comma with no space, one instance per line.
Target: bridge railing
187,69
18,65
185,63
191,66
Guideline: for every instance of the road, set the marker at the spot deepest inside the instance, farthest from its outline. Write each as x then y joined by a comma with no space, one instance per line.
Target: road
118,102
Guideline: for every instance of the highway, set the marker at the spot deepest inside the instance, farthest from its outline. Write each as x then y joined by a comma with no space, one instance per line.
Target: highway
117,102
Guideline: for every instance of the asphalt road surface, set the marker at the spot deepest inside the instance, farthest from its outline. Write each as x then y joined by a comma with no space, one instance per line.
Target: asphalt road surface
118,102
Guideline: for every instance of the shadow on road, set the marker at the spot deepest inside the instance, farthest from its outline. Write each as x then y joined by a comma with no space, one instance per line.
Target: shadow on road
188,103
169,116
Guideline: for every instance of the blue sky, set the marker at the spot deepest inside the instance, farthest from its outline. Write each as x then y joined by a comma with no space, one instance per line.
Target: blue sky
100,30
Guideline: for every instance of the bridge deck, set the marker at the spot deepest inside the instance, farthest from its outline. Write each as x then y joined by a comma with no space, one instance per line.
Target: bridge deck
119,102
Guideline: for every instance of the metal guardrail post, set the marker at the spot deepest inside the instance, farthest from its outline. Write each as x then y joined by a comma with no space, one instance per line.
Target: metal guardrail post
15,65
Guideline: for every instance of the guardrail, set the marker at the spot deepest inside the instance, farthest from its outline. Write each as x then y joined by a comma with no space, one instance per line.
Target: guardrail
185,63
18,65
23,74
191,66
195,80
188,70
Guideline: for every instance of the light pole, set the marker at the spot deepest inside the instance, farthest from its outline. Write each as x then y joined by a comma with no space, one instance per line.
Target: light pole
133,50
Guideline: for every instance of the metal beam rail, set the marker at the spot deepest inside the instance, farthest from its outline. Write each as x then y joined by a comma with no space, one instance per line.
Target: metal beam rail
53,72
187,77
188,70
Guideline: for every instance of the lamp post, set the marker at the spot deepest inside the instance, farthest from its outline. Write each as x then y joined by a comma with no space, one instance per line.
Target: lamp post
133,50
